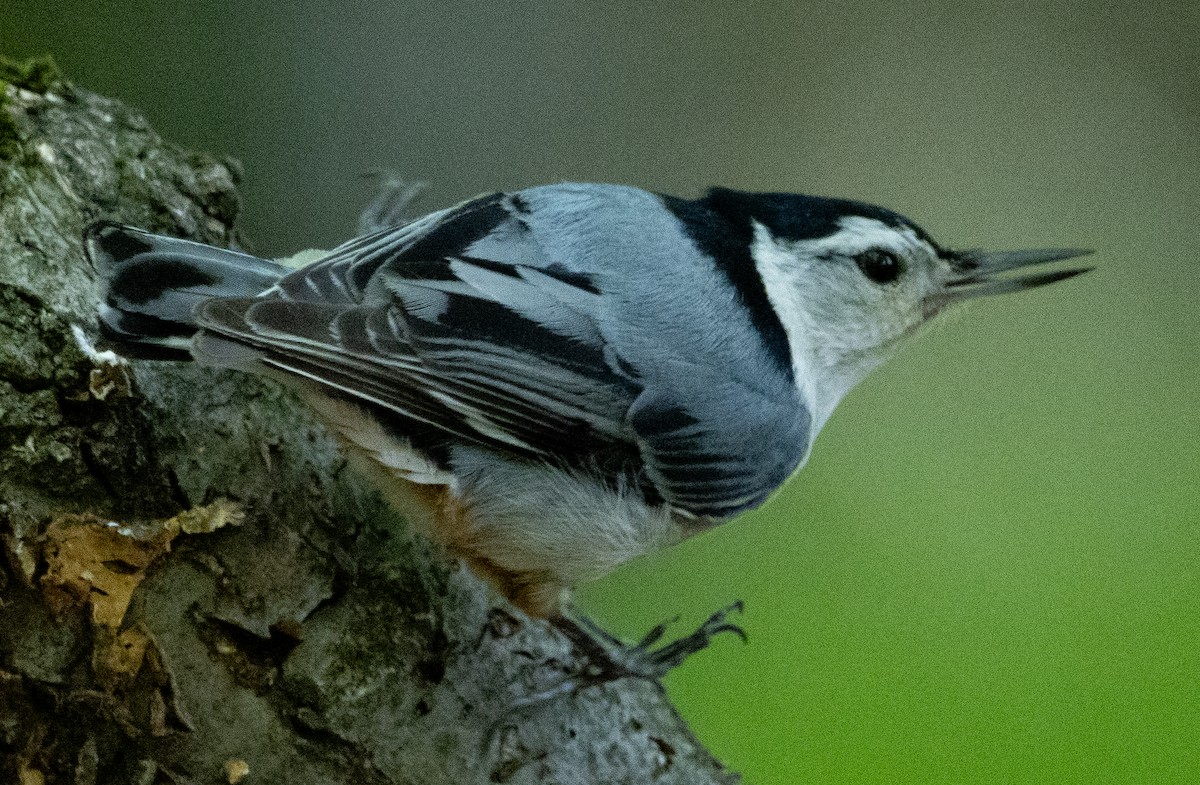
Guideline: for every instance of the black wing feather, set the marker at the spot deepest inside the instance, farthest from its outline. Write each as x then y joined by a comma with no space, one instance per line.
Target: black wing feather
458,321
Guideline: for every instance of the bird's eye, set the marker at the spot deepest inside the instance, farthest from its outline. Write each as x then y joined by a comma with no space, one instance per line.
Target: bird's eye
879,265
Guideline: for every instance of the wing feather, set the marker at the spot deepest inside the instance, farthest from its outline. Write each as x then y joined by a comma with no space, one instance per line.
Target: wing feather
460,321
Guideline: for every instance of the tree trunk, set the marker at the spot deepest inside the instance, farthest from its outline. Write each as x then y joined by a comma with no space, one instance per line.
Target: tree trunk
194,587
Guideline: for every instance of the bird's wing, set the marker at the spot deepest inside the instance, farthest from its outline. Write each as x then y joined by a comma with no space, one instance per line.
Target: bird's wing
716,446
455,320
459,321
468,366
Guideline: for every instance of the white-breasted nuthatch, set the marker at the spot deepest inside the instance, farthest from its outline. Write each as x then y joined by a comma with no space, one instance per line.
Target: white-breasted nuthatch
556,380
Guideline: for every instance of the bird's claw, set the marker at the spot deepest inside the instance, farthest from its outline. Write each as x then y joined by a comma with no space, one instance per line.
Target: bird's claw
607,659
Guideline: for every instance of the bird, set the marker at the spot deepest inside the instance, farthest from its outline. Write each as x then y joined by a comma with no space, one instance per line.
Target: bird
555,380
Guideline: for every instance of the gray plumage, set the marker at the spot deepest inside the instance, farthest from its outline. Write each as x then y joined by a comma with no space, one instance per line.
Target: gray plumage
420,319
591,371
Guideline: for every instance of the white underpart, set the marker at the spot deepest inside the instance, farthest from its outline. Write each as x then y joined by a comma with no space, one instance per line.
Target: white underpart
829,356
387,449
535,517
524,516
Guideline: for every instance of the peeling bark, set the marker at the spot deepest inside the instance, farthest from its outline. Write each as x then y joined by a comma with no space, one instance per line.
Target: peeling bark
194,587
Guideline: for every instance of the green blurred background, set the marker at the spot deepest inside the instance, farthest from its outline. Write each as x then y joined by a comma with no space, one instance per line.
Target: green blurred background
988,573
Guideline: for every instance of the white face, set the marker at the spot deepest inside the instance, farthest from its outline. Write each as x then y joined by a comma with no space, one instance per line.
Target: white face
848,300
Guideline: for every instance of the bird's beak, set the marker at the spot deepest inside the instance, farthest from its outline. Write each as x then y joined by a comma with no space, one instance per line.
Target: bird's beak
978,273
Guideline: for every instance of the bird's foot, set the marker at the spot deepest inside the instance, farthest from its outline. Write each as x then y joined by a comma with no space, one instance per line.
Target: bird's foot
606,658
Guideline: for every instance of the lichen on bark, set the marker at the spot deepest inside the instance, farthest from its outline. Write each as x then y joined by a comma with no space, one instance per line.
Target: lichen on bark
193,585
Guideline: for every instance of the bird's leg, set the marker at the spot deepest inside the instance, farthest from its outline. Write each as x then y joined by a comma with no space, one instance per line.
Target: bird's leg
606,658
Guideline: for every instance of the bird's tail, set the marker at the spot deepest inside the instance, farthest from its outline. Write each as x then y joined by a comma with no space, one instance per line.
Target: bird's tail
152,283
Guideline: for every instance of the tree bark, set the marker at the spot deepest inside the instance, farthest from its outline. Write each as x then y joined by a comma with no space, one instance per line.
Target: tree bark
194,587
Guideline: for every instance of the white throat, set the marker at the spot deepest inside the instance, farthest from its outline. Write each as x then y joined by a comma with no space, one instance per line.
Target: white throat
822,377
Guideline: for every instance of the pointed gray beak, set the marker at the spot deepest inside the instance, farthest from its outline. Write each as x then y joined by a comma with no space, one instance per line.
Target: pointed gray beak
976,273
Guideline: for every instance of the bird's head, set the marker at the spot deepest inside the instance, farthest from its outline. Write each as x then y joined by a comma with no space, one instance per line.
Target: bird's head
850,281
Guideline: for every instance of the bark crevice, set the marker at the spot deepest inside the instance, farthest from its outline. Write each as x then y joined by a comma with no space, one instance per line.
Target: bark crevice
192,585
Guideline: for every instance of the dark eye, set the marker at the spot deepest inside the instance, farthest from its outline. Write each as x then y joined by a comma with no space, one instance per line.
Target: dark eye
879,265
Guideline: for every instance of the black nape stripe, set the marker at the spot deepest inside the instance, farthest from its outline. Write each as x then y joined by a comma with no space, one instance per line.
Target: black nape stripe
801,217
728,242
